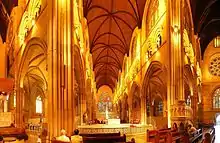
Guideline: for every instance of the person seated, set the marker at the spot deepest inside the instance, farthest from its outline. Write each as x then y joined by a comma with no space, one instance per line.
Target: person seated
207,138
63,137
76,138
1,139
191,129
175,128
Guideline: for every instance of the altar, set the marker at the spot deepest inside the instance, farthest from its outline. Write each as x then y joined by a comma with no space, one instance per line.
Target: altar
6,119
114,121
114,128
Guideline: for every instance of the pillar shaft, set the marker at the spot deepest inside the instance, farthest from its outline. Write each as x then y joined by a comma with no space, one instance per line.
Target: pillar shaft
60,68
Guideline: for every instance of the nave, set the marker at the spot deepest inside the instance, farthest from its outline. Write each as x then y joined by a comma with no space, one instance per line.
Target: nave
149,69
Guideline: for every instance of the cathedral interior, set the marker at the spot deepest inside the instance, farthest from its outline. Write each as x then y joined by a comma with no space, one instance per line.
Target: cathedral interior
108,66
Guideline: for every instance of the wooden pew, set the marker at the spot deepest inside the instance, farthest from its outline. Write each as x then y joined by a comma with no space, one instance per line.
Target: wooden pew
197,136
152,136
10,131
194,137
108,139
100,134
212,133
176,137
164,136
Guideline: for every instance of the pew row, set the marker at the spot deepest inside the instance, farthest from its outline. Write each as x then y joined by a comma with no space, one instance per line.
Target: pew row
100,134
171,136
101,138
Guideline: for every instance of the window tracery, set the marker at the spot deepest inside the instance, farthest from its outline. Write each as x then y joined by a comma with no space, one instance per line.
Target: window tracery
214,66
105,103
216,99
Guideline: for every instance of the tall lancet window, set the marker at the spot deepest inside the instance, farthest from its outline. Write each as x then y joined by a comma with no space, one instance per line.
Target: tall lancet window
39,105
216,98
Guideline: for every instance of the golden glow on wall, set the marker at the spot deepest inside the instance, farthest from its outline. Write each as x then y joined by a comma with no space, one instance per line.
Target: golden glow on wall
149,47
188,47
28,19
199,74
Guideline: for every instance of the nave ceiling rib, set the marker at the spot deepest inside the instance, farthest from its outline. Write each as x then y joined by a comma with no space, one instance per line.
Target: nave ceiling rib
111,24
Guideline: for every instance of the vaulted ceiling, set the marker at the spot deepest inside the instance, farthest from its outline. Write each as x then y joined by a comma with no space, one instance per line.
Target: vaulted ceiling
111,24
206,16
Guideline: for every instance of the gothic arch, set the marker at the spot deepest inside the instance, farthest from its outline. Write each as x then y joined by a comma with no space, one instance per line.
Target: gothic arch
155,74
32,77
35,49
188,81
154,88
79,86
191,89
125,108
135,102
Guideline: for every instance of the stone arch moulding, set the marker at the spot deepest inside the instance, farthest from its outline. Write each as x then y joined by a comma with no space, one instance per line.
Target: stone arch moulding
79,66
154,85
135,87
156,69
23,65
135,103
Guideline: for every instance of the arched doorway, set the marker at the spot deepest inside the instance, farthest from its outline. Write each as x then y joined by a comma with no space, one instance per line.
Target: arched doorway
155,95
126,109
81,111
190,90
135,103
32,83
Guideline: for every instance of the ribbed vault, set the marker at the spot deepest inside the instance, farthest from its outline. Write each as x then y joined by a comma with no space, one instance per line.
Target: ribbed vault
111,24
206,17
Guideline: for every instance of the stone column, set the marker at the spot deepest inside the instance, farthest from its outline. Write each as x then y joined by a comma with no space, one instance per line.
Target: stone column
19,106
177,111
60,67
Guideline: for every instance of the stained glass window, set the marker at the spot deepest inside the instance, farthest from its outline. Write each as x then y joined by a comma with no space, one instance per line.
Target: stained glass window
216,98
39,105
105,102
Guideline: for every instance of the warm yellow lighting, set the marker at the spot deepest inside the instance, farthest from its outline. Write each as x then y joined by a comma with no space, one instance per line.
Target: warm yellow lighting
162,7
176,29
28,19
81,50
33,22
188,47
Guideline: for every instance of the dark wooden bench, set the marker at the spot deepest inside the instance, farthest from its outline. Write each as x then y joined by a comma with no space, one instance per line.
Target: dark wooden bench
108,139
196,136
13,132
164,136
100,134
152,136
175,136
56,141
212,133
